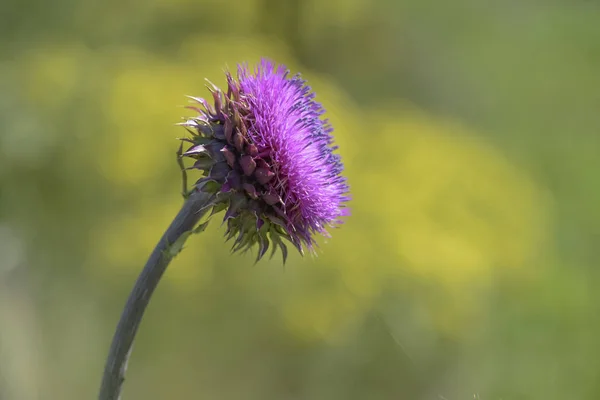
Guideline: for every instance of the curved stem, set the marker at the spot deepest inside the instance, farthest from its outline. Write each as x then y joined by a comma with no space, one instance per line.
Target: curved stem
116,364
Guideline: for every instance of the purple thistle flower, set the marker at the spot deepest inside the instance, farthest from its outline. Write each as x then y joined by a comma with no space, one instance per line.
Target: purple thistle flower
267,158
267,155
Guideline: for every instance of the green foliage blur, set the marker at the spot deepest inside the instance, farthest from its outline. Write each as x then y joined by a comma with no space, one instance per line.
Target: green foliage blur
471,136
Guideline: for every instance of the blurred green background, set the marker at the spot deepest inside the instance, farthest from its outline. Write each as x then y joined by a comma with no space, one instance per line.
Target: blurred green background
471,135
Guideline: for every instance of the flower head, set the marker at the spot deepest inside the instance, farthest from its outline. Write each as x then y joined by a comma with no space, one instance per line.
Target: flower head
269,158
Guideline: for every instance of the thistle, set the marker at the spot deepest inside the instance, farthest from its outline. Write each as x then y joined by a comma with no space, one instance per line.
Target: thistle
266,154
267,159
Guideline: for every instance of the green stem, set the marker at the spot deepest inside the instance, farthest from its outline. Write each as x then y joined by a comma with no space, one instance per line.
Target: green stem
188,217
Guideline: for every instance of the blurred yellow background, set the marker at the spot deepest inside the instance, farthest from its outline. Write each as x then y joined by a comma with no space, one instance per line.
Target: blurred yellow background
471,137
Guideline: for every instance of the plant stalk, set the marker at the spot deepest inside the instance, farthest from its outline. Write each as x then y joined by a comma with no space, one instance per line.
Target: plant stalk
196,205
